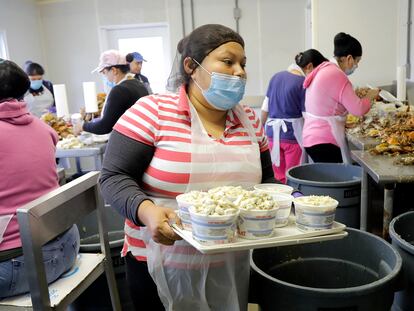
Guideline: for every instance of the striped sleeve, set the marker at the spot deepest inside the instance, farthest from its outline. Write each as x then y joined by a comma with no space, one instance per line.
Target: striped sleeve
141,121
257,126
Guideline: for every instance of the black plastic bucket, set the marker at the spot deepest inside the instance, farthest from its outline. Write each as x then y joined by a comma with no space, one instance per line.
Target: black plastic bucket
340,181
402,236
356,273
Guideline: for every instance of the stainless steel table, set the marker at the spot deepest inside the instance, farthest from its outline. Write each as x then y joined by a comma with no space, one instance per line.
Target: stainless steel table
383,171
359,142
96,151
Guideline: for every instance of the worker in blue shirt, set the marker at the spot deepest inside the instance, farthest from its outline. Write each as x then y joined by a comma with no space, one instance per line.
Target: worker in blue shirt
135,60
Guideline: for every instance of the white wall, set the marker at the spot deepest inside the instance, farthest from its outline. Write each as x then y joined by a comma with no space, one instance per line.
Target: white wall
20,20
71,45
373,23
274,32
72,36
281,35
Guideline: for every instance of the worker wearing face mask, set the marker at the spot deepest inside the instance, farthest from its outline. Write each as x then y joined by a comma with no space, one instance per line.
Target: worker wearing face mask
282,112
123,93
167,144
39,97
329,98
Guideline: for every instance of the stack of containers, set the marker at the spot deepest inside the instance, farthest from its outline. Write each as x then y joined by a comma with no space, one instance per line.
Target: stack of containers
215,216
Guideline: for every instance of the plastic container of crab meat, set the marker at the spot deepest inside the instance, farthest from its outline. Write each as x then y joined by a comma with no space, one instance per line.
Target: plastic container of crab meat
274,188
184,201
214,222
230,192
284,201
257,215
315,212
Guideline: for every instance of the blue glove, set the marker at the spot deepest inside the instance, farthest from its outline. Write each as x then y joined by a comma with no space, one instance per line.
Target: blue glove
297,194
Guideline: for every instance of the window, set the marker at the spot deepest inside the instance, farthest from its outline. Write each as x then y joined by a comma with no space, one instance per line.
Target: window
3,45
152,50
152,41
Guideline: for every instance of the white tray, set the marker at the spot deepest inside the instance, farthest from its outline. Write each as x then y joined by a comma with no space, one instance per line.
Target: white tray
287,235
100,138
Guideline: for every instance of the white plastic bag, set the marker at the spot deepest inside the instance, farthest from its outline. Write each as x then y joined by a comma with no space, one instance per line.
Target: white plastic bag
188,280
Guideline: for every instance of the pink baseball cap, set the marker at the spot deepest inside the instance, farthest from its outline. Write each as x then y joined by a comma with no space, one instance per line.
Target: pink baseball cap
110,58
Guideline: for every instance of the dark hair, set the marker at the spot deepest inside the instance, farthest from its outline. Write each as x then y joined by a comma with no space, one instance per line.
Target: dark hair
129,57
14,81
33,69
202,41
309,56
122,68
345,45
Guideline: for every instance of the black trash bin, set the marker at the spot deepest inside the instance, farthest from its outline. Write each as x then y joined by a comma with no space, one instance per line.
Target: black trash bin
356,273
402,236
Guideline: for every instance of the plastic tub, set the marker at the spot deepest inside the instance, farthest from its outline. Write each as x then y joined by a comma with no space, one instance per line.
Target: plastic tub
356,273
402,236
339,181
212,230
310,217
274,188
184,201
284,202
256,224
183,212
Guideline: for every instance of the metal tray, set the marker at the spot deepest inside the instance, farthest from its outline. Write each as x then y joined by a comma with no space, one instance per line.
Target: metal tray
287,235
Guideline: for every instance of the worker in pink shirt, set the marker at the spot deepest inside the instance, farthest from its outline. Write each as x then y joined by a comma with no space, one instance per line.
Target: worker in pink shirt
28,171
329,98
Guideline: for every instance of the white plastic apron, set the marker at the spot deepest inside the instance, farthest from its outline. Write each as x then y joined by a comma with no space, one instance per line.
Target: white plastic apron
186,279
337,124
4,222
277,124
39,104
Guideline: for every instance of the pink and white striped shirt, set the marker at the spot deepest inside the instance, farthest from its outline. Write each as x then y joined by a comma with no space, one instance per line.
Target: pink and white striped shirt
163,121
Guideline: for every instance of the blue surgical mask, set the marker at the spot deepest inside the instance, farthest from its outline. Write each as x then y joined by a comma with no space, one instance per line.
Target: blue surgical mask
225,91
108,83
36,84
350,71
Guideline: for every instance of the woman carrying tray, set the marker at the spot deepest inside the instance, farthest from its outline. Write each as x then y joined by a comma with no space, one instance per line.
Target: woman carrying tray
169,144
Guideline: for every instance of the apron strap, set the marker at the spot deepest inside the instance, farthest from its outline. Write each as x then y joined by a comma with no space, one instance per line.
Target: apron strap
276,124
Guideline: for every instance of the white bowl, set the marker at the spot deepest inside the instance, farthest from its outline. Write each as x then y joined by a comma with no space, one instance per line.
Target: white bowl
256,224
284,202
274,188
312,218
212,230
